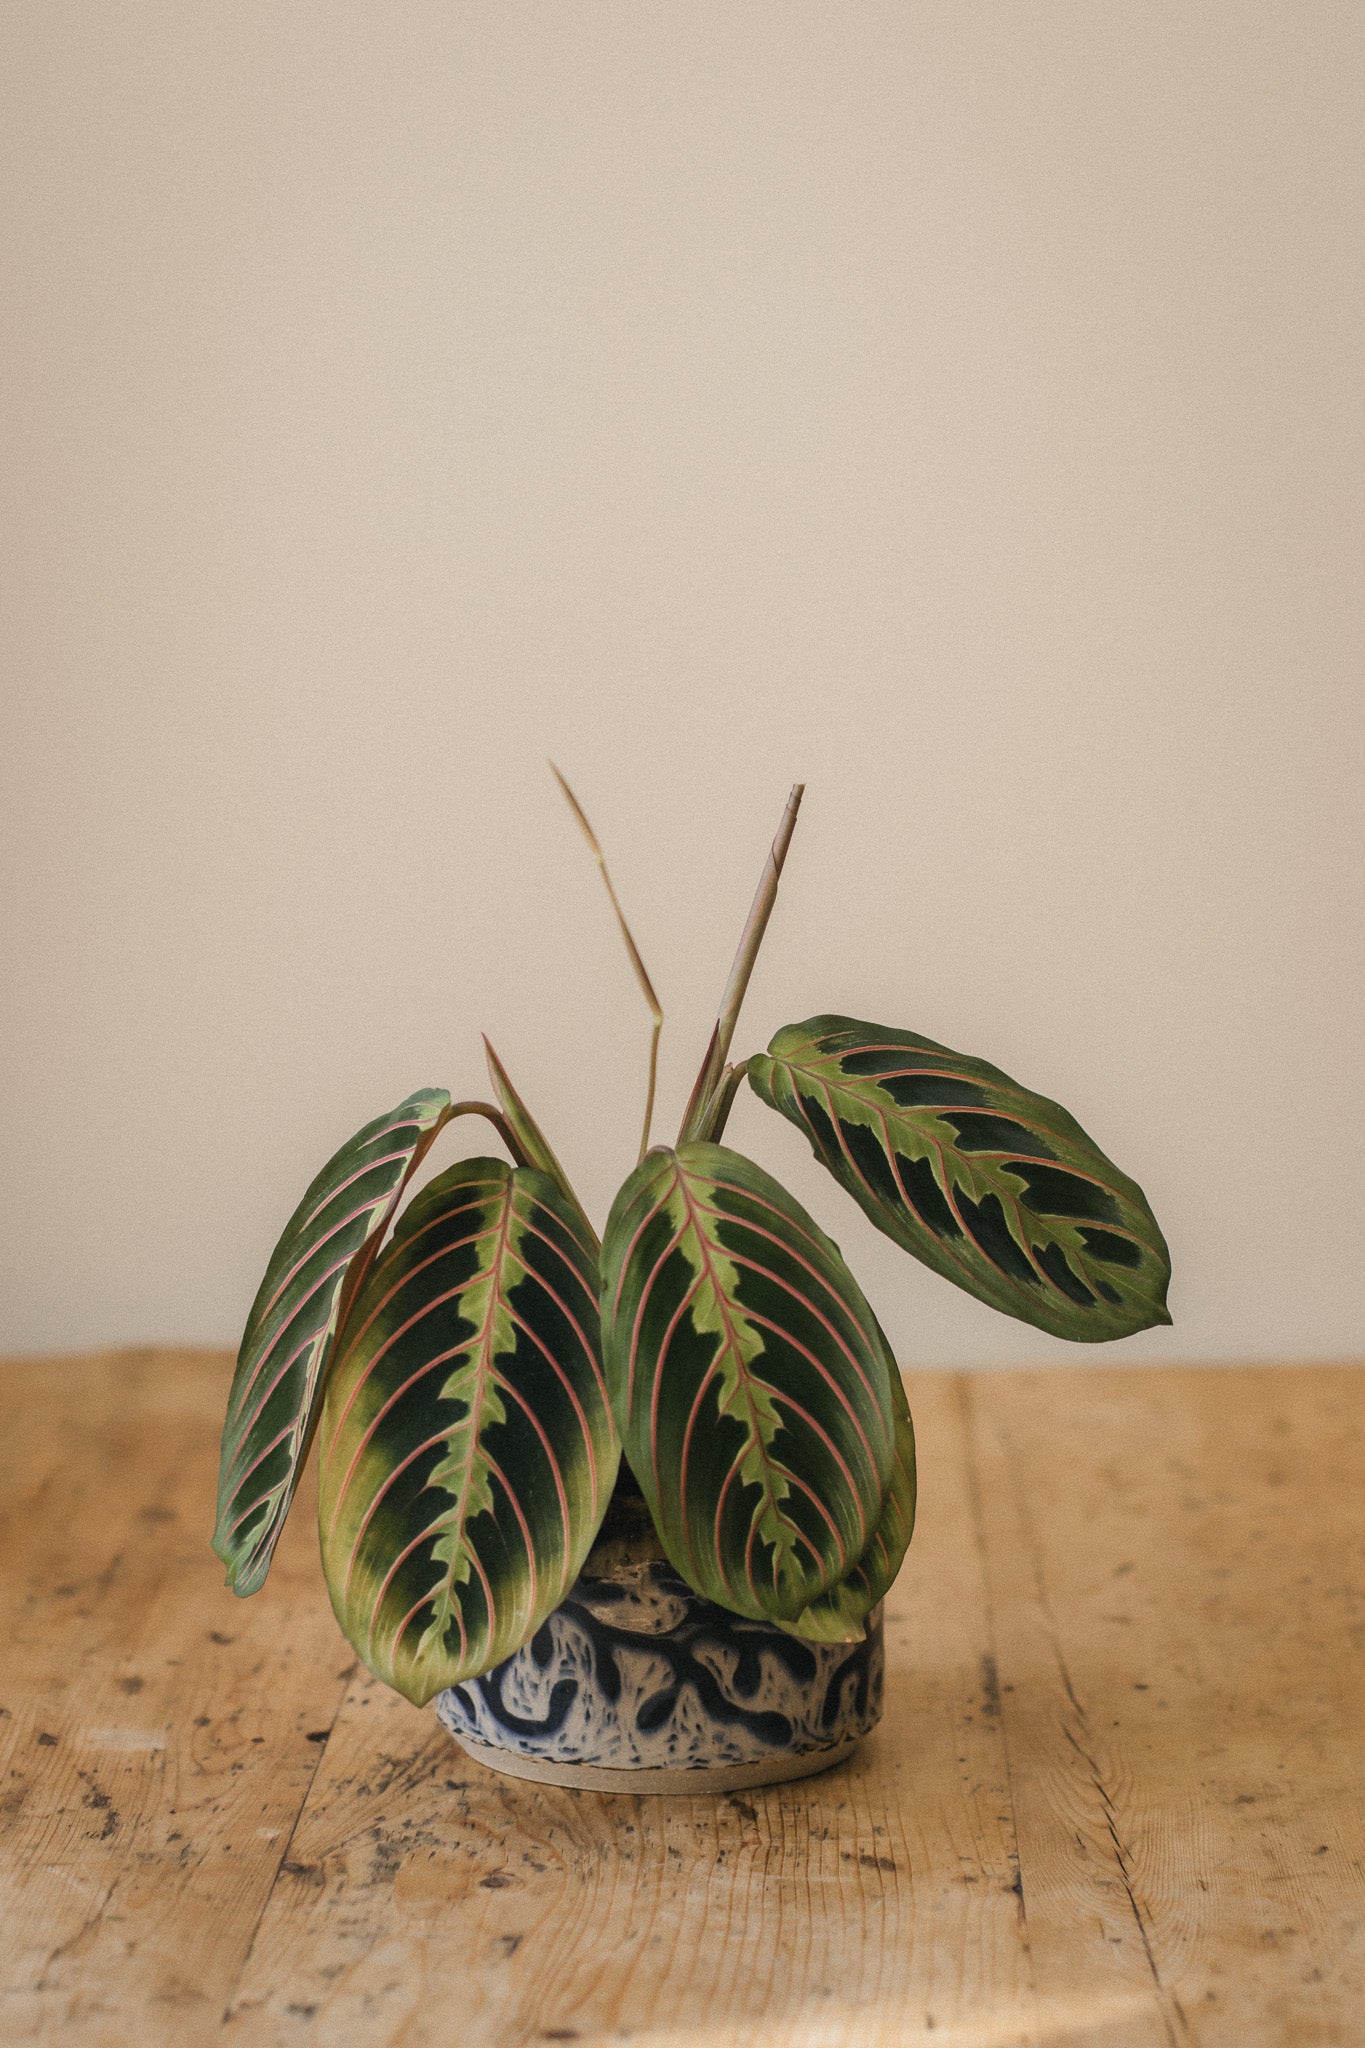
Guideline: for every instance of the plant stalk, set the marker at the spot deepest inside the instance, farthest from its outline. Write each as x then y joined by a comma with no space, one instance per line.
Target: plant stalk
536,1147
641,973
712,1122
499,1123
717,1051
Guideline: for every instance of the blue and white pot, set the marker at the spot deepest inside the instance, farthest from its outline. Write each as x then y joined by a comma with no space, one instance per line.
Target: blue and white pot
637,1684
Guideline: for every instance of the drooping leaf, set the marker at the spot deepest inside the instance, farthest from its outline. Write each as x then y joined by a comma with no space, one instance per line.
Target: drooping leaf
272,1405
748,1378
467,1450
839,1616
993,1186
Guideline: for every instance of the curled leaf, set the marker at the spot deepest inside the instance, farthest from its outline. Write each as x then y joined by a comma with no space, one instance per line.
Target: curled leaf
273,1402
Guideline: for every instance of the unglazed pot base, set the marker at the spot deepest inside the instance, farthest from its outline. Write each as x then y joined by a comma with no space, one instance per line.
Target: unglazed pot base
638,1684
774,1770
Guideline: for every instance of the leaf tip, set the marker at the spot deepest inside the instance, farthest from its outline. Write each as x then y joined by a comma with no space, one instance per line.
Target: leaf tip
243,1579
418,1692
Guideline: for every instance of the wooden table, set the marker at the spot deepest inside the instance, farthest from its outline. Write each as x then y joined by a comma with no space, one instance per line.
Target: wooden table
1118,1797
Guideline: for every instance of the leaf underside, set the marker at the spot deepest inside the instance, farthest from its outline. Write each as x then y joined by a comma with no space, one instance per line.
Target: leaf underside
750,1381
994,1187
467,1448
272,1405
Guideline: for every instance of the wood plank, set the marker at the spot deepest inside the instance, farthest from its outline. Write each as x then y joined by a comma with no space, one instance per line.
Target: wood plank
1177,1570
153,1730
878,1902
1117,1801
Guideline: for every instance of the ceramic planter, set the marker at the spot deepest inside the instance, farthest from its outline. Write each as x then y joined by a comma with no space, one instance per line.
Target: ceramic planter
637,1684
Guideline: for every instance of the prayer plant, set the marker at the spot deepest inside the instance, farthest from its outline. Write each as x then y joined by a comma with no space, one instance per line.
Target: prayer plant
476,1365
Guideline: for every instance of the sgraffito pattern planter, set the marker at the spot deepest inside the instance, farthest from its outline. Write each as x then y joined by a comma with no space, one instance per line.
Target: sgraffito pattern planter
638,1684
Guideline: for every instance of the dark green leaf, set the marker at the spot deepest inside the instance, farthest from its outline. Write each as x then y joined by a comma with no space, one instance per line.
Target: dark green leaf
467,1451
749,1381
839,1615
273,1401
994,1187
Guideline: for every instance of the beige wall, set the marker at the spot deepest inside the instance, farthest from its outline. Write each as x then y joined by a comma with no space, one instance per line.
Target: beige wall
957,405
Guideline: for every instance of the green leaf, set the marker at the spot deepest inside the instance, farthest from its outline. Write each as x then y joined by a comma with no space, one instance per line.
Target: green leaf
839,1616
748,1378
467,1451
996,1188
535,1146
272,1405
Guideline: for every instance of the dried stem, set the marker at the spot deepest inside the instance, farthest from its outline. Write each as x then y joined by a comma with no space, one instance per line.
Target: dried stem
752,938
641,972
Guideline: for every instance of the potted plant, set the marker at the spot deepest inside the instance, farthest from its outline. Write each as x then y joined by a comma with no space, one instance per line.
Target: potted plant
626,1509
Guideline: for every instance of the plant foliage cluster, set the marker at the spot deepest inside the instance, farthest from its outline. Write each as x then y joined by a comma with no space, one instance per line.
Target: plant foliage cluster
475,1366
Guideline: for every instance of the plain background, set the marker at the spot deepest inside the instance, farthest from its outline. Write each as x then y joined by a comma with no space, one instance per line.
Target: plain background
956,405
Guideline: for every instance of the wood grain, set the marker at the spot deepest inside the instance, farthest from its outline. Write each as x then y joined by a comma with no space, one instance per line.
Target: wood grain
1181,1610
155,1754
1118,1798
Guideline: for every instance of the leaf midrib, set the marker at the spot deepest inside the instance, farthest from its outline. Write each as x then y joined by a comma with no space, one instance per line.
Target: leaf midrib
485,1375
746,1384
1064,1230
